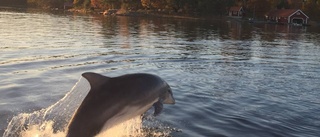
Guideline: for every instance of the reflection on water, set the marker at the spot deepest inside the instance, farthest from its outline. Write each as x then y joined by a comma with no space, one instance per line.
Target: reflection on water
229,78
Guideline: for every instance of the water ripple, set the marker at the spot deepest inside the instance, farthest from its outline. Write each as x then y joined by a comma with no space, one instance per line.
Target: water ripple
227,80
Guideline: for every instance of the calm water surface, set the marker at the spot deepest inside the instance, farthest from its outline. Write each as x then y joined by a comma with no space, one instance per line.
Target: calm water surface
229,78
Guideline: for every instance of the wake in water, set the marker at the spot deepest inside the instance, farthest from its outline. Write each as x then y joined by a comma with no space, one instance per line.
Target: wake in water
53,121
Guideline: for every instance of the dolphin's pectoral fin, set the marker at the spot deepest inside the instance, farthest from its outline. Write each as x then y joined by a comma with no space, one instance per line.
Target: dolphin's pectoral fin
158,106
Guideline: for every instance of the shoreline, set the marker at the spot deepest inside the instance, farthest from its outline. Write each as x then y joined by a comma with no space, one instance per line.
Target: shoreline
153,13
146,13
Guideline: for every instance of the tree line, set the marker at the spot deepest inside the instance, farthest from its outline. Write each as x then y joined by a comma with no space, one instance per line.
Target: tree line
208,7
190,7
174,6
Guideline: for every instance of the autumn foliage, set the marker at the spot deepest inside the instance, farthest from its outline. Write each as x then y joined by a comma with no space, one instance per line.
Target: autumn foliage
194,7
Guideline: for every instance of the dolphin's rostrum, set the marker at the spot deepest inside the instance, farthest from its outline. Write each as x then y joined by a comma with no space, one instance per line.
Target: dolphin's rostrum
111,101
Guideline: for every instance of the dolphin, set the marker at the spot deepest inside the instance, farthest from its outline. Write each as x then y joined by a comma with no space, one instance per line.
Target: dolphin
112,100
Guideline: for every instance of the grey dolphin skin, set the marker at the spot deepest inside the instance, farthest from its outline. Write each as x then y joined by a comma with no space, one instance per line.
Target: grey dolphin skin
111,101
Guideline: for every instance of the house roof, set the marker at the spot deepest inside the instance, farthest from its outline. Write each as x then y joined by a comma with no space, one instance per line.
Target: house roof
235,8
284,13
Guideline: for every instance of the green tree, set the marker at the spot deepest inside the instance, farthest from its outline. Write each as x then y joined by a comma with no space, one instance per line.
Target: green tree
258,8
312,8
283,4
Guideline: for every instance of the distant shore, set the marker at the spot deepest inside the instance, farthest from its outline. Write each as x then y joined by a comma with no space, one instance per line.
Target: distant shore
148,13
162,14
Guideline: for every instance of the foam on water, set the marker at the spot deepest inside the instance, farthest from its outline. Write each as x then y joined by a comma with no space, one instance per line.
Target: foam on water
131,127
53,121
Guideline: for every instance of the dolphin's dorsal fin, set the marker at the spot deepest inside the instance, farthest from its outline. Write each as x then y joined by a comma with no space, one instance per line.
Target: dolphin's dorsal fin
95,79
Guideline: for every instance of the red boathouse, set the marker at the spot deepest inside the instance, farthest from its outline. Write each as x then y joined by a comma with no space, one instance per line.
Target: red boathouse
236,11
288,16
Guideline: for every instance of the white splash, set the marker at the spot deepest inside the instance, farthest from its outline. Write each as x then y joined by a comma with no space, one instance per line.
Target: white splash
44,130
55,117
130,128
